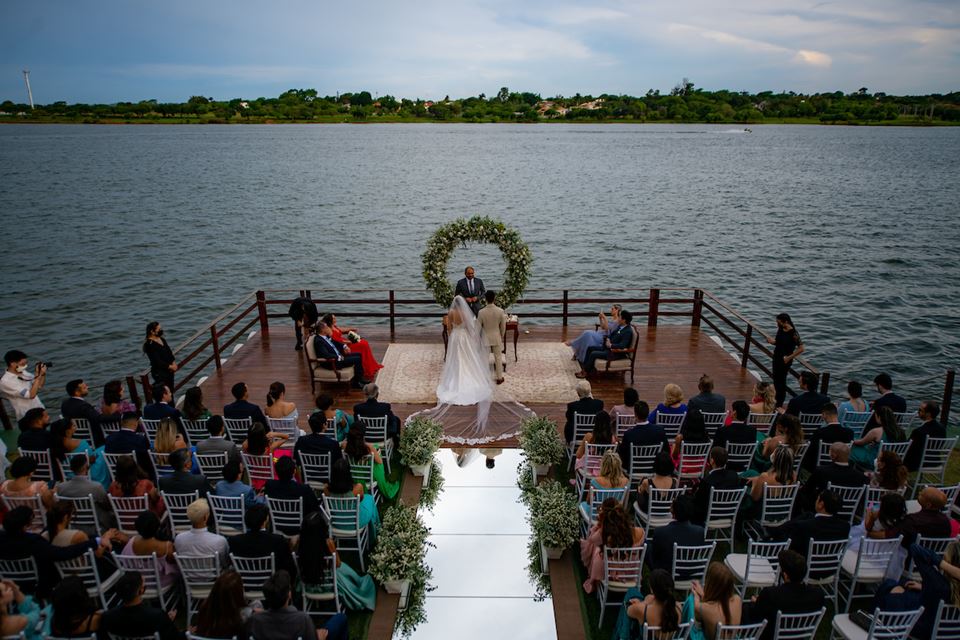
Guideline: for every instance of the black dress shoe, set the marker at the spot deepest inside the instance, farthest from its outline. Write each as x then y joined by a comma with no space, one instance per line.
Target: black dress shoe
299,347
357,384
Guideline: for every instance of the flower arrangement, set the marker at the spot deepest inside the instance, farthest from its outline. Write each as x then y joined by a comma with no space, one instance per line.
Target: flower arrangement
442,243
540,441
432,488
353,336
419,440
401,546
553,515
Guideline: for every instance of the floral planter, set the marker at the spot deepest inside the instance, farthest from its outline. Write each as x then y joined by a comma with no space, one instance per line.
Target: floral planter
421,470
541,469
396,586
551,553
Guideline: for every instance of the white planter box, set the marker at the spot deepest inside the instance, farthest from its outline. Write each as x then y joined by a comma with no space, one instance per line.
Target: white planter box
421,470
552,553
541,469
396,586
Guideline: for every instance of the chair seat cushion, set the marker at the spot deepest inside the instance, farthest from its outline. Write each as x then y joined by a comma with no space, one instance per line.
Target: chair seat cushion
319,596
762,572
618,585
720,523
320,373
867,574
843,625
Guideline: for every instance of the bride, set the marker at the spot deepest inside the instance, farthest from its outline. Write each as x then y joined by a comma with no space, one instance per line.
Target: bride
465,378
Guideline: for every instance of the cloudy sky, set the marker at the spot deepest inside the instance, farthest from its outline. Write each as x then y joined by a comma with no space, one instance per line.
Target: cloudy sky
109,51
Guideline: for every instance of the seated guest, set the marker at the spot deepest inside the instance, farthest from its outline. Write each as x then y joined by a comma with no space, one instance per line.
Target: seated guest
764,398
341,485
199,541
361,346
342,421
642,433
22,484
693,431
717,477
738,431
930,521
837,472
658,609
168,439
891,473
888,399
193,408
663,478
280,620
316,545
614,347
60,533
34,434
241,407
63,444
707,401
586,405
127,440
787,431
809,400
825,524
716,601
286,488
356,448
17,543
162,405
80,486
76,407
680,531
232,486
779,474
792,596
856,403
147,543
181,480
74,612
113,404
130,481
257,543
630,400
603,433
217,442
864,451
609,476
278,407
224,612
887,520
831,431
261,442
20,615
672,403
939,583
929,412
595,338
319,441
133,617
373,408
614,530
332,354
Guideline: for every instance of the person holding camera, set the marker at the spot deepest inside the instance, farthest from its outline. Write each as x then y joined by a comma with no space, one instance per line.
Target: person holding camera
19,386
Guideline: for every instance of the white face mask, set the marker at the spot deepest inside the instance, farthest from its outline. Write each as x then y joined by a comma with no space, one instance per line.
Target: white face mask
21,368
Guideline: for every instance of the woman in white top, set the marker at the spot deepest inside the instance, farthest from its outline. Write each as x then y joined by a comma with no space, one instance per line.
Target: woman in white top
278,407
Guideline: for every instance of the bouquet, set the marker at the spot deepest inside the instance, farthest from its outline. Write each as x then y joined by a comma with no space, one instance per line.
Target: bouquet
352,336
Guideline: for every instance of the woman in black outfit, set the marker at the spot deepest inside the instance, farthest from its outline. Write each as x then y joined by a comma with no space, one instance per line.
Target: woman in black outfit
162,362
787,346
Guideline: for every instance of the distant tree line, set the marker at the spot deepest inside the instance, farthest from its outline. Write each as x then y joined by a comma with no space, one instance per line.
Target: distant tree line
685,103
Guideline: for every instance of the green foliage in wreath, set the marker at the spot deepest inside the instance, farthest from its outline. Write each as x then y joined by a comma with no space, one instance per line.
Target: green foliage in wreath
476,229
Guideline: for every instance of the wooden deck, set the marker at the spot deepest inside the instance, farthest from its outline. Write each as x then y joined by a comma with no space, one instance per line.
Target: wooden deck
667,353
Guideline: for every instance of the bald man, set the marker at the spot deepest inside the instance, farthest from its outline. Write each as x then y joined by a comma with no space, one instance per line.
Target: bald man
837,472
930,521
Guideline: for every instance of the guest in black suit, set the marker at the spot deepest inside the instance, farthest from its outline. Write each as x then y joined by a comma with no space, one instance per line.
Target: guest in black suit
838,473
613,347
809,400
930,521
888,398
318,441
470,289
832,431
326,348
707,401
76,407
738,431
304,313
162,407
133,617
929,412
257,543
373,408
793,596
587,404
34,435
825,524
642,433
286,488
680,531
718,477
241,407
181,480
127,440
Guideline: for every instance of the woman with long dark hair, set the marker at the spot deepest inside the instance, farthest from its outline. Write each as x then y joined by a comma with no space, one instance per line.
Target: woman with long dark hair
131,481
603,433
316,545
278,407
224,612
162,362
863,451
614,529
715,602
787,346
193,407
356,448
74,612
659,609
341,485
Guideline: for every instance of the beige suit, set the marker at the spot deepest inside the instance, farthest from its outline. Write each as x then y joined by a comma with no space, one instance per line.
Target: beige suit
493,322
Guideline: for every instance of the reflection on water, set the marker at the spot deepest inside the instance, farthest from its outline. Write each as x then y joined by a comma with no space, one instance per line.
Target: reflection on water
487,580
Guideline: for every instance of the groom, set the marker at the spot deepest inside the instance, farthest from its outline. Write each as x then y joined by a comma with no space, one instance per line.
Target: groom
493,322
471,289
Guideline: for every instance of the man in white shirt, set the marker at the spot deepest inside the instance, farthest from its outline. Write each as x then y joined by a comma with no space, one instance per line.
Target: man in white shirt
19,386
198,541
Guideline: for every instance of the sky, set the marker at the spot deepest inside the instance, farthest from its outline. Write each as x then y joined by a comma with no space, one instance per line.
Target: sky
109,51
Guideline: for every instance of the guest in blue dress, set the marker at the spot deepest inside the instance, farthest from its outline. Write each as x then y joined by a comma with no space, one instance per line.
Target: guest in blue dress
341,485
864,451
342,420
659,609
672,404
356,591
64,445
589,339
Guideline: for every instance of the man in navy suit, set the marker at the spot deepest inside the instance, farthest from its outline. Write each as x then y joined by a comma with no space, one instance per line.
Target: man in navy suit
809,401
613,346
318,441
888,398
127,440
243,408
162,406
327,348
642,433
373,408
471,289
680,531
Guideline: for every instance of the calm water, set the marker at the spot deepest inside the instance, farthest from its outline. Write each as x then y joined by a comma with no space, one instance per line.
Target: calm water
854,231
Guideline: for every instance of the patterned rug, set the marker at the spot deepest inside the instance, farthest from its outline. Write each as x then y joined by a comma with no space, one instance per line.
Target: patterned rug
543,373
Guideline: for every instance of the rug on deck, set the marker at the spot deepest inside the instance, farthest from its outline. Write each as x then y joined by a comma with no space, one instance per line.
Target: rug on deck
543,373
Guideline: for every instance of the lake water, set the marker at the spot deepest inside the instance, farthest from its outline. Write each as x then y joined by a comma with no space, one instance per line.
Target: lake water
852,230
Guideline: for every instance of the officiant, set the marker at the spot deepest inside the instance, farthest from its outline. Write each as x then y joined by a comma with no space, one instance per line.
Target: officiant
471,289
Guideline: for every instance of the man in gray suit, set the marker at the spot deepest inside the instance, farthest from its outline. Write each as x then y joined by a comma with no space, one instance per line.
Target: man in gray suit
81,486
217,443
493,323
471,289
707,401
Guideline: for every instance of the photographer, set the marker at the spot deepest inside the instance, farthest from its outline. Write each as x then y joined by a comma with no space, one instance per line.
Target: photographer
19,386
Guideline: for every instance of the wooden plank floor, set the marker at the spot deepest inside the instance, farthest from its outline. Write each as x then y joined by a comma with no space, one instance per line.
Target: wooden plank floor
669,353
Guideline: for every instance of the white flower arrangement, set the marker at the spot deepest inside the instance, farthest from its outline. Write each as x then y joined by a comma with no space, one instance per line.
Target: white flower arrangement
540,441
442,243
419,440
553,515
353,336
401,546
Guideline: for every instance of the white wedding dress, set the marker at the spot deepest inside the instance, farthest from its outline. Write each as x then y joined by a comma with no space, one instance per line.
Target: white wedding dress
471,408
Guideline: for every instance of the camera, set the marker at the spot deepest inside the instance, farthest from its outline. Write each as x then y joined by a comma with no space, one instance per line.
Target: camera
45,364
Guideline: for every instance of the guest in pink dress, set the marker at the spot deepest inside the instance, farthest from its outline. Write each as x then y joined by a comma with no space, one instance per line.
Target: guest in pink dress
613,529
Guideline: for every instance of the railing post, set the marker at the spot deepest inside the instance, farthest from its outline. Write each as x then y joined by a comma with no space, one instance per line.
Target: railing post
132,390
824,382
393,319
566,306
216,346
745,357
947,395
654,307
697,307
262,310
147,392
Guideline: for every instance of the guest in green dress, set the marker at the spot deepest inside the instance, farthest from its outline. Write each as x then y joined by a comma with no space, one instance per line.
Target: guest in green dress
864,451
341,485
357,448
193,408
342,420
315,546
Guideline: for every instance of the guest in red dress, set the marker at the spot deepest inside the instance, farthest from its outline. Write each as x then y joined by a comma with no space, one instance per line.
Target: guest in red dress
369,363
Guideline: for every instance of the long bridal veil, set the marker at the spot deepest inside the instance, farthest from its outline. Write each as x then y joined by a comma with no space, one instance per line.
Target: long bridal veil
471,408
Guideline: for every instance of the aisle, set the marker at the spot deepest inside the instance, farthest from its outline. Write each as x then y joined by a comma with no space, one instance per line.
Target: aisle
480,560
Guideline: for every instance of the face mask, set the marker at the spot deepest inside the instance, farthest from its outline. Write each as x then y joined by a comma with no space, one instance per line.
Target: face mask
160,333
21,368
